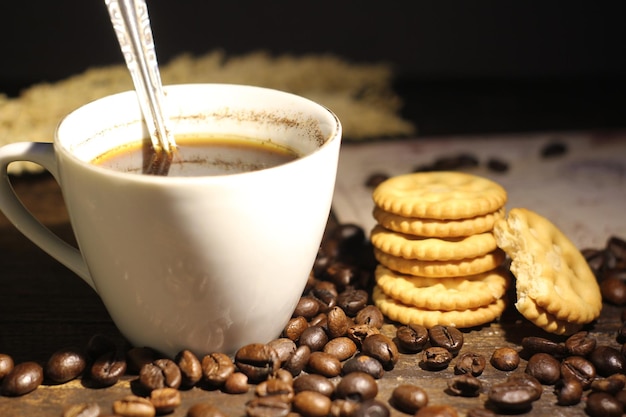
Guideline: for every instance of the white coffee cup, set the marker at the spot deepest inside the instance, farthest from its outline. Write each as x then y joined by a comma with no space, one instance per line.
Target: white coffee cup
207,263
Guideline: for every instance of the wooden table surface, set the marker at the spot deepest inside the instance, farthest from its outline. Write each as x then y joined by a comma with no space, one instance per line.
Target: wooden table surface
44,307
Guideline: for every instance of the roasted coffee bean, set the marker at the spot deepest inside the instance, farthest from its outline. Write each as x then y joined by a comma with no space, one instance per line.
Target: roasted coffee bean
321,321
408,398
284,347
621,334
165,400
437,411
6,365
326,294
371,408
359,332
514,395
546,368
267,407
447,337
412,338
329,251
350,238
612,384
357,386
601,404
108,368
364,363
436,358
275,388
98,345
65,365
25,377
283,375
307,307
337,322
324,364
343,408
295,327
553,149
190,368
568,391
580,344
371,316
314,382
613,290
621,397
497,165
342,348
579,368
596,259
137,357
236,383
314,337
470,363
352,300
134,406
82,410
616,247
505,359
375,179
382,348
342,274
450,163
298,361
217,367
524,378
535,344
204,410
464,385
312,404
607,360
258,361
162,373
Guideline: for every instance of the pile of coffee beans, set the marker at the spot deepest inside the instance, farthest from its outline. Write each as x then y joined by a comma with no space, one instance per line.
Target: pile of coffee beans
333,351
609,266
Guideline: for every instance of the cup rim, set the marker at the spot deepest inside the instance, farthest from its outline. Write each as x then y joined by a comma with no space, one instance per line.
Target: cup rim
60,147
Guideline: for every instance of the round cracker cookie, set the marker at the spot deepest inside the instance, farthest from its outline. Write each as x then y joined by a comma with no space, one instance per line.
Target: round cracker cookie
460,293
541,318
548,268
432,248
441,269
439,195
437,228
404,314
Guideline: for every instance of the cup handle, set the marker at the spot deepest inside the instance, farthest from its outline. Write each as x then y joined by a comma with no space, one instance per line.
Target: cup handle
41,154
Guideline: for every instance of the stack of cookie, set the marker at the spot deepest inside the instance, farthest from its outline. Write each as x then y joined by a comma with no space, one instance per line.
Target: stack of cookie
438,259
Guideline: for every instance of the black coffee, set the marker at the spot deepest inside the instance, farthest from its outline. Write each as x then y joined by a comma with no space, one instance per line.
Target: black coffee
201,156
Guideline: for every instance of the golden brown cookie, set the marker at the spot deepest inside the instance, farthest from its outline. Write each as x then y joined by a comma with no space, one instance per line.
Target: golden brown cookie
404,314
459,293
541,318
432,248
548,268
441,269
437,228
439,195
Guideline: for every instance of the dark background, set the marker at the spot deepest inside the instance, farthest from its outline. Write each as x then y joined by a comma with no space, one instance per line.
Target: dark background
463,66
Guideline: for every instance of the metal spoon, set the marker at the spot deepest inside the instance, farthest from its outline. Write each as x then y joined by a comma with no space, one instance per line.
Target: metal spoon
132,27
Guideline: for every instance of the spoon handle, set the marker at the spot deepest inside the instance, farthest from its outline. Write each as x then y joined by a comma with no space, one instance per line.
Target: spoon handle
132,28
